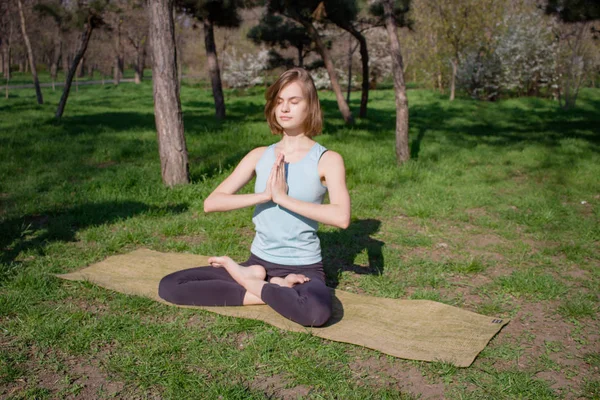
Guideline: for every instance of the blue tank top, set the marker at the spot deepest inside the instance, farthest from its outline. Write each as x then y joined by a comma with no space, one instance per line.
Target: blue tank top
282,236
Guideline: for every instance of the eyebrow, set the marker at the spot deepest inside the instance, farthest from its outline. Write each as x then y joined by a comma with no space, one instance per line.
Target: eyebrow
291,98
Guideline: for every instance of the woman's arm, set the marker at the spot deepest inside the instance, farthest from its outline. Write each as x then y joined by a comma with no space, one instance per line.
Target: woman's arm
223,198
337,212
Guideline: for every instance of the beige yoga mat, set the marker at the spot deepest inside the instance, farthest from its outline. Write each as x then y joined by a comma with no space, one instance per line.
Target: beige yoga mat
413,329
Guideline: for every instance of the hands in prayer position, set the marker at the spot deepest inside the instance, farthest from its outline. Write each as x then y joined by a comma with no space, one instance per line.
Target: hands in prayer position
277,186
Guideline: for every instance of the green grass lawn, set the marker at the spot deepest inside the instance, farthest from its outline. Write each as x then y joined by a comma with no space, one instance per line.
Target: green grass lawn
497,212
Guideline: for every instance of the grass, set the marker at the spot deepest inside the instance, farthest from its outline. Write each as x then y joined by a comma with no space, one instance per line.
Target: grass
497,212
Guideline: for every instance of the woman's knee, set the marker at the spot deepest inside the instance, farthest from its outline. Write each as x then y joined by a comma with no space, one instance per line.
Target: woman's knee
167,288
315,315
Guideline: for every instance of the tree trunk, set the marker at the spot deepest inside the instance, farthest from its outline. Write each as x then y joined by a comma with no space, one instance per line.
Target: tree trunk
36,82
140,49
576,71
6,44
118,66
167,104
84,39
142,62
301,56
350,52
402,151
55,60
454,63
137,76
364,58
6,52
65,61
342,105
213,69
81,68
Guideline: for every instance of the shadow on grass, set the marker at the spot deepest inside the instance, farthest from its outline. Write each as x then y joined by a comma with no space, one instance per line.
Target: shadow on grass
340,249
34,232
198,119
468,123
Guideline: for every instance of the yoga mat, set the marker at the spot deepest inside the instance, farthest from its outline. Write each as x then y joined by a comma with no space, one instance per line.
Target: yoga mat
413,329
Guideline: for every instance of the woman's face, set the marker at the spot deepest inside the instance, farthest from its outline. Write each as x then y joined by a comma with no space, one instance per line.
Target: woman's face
292,108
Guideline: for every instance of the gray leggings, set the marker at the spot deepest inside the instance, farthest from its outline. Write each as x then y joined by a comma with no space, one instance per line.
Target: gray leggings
308,304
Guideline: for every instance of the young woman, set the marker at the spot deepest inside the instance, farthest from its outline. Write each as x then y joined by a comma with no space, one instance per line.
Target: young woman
285,269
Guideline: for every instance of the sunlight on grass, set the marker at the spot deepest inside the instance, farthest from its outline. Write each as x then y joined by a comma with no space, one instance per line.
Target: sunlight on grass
497,207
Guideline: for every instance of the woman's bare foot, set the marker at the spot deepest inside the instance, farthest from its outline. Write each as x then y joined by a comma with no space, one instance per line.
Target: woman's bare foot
290,281
237,272
252,278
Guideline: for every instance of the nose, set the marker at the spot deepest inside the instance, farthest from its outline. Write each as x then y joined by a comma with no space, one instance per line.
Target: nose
285,107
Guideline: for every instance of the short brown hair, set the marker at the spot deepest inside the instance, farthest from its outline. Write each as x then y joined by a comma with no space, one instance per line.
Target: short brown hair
314,120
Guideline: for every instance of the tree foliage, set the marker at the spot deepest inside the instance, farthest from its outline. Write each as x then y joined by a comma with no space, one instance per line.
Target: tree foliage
273,30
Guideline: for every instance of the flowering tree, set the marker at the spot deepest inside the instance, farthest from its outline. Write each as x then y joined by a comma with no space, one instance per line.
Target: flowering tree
576,50
245,70
520,58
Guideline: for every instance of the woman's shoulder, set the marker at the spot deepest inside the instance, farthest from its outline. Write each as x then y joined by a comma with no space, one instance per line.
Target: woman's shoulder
331,160
331,156
257,153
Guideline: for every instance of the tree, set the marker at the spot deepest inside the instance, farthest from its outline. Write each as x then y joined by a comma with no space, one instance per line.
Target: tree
36,81
274,31
213,13
136,30
343,13
55,10
306,13
572,11
87,17
457,23
167,104
6,38
391,26
574,36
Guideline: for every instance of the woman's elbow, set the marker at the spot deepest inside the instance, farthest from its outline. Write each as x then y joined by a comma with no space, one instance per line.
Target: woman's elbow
344,222
209,205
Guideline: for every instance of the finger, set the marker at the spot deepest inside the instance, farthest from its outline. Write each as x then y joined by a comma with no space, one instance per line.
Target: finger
215,260
272,174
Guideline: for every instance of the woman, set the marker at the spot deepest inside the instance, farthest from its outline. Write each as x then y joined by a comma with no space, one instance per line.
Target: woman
285,268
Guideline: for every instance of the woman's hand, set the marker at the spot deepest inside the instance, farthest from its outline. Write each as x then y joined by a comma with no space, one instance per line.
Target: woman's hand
277,183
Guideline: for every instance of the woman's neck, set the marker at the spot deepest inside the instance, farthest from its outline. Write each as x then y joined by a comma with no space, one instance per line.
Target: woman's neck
291,143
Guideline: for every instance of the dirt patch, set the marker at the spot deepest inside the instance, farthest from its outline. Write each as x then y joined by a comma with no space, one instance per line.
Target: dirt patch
380,371
483,241
407,223
551,345
88,305
197,321
487,255
496,271
67,377
463,287
276,386
475,213
437,253
576,273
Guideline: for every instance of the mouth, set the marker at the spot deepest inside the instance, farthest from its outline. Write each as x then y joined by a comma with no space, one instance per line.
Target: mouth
285,118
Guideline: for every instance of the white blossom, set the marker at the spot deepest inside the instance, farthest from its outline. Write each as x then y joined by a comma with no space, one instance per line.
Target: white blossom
246,70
